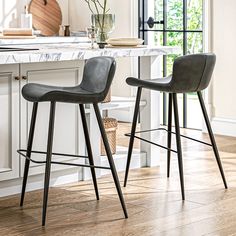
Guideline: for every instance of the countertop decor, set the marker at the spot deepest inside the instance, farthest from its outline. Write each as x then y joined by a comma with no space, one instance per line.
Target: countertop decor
101,19
47,16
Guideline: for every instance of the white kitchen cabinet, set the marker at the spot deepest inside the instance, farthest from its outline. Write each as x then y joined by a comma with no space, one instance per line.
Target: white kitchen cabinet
9,122
67,131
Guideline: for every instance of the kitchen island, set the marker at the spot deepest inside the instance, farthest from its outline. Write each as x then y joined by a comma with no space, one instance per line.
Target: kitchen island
62,64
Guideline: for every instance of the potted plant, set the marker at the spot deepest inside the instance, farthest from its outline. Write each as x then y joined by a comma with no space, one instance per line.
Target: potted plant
101,19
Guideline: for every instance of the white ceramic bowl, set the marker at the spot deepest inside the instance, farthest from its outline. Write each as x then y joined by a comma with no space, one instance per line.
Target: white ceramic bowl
125,41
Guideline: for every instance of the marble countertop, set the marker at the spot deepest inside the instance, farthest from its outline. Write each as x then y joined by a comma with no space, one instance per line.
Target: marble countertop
77,51
43,40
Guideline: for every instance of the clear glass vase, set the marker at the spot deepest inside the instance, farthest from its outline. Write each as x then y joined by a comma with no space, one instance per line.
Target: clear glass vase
105,23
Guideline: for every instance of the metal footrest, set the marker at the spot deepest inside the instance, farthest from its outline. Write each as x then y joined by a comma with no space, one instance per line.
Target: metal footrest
22,152
161,146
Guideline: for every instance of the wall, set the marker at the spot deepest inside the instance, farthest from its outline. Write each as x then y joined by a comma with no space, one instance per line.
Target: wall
224,84
80,19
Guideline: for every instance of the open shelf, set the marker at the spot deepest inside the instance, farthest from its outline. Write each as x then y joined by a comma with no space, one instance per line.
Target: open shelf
120,159
120,102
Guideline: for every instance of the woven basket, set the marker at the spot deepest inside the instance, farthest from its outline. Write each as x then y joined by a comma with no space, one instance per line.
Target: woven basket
110,125
108,97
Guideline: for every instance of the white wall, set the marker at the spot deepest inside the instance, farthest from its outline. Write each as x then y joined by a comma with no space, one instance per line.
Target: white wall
80,19
224,83
80,16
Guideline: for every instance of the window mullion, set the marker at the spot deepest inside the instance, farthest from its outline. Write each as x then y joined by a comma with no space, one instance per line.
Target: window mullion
185,43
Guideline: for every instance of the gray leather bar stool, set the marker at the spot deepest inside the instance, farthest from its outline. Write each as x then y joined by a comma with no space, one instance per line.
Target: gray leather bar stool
191,73
97,78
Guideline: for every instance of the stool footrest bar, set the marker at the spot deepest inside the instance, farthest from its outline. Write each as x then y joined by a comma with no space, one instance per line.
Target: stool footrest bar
163,129
54,153
156,144
60,163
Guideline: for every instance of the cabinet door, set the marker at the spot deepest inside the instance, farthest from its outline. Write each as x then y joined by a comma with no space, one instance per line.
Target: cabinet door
66,134
9,122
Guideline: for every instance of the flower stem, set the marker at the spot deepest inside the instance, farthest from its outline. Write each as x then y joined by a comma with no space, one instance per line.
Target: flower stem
90,8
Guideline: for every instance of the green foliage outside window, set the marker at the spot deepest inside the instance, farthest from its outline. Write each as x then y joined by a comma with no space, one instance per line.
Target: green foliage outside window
175,22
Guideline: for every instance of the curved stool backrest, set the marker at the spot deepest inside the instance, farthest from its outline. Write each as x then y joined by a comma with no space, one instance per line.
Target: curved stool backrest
192,73
98,75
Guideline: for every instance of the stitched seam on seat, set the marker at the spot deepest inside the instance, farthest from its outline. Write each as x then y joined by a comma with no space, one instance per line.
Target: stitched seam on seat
65,92
202,73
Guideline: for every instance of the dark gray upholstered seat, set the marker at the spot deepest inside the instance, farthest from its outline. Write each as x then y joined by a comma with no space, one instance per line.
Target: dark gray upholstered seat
191,73
97,78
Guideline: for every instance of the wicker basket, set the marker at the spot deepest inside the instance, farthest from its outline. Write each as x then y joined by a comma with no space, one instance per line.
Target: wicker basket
108,97
110,125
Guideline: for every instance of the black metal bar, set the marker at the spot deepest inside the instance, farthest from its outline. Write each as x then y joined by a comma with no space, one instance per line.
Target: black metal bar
48,160
185,107
215,149
62,163
185,49
133,129
81,165
164,18
110,158
54,153
178,144
185,26
143,17
164,59
156,144
89,148
169,134
29,151
139,19
171,31
164,108
163,129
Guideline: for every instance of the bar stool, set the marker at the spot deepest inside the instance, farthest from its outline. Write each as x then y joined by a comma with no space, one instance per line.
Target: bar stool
191,73
97,78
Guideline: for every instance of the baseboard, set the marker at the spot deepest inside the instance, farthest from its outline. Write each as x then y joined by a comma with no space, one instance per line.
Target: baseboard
224,126
8,188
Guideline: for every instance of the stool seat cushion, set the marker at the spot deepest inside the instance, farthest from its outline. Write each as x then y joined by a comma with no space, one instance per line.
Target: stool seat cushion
161,84
42,93
191,73
97,78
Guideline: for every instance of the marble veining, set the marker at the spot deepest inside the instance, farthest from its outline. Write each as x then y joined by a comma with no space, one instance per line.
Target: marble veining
44,40
78,51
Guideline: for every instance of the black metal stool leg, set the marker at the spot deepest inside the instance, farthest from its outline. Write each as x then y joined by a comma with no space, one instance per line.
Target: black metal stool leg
29,149
178,144
110,158
89,148
48,160
133,129
169,134
212,138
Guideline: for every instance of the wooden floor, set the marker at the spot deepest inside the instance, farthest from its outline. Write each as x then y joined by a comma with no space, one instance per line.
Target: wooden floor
153,201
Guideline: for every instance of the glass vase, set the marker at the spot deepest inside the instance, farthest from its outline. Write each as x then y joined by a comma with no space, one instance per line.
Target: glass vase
105,23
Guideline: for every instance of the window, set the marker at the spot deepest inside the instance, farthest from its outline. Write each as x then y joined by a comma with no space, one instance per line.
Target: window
174,23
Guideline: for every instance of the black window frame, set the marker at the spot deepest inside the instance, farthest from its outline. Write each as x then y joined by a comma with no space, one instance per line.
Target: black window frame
142,32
